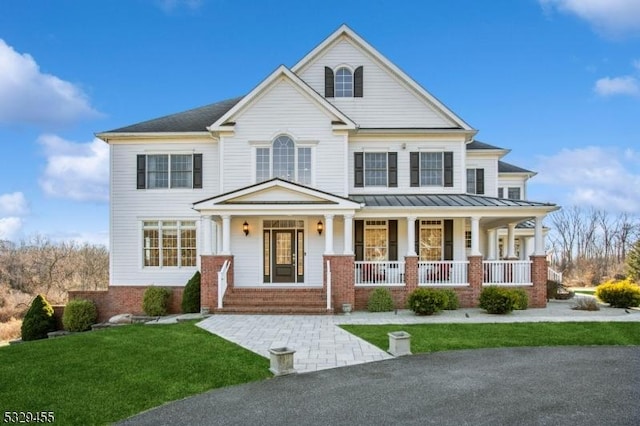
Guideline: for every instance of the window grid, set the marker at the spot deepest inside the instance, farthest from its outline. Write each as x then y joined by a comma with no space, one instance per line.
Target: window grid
262,164
283,160
471,181
181,171
344,83
431,170
375,169
169,171
375,240
169,243
513,193
431,240
158,171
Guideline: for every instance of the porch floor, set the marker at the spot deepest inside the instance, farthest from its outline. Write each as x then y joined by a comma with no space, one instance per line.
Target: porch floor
320,344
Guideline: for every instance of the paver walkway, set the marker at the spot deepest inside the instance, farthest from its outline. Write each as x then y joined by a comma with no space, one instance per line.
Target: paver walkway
320,343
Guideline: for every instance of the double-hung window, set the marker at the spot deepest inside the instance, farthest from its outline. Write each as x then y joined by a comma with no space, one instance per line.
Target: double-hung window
475,181
376,169
512,193
284,160
431,169
169,243
155,171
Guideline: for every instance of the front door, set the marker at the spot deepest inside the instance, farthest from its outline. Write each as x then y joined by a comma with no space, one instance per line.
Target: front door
284,256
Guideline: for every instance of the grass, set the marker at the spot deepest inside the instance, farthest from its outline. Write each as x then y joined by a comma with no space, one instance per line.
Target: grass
104,376
444,337
585,291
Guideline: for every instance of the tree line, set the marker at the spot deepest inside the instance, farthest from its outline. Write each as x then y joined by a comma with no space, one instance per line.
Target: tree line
590,245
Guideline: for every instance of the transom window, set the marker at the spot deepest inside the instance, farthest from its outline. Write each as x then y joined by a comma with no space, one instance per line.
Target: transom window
431,240
169,243
344,83
170,171
283,160
375,240
375,169
431,169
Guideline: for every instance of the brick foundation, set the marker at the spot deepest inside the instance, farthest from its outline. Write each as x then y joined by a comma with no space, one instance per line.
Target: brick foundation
125,300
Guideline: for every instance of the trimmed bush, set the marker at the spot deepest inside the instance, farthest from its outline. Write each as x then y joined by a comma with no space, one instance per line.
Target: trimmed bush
497,300
380,300
39,320
552,289
155,301
191,295
425,301
79,315
522,300
619,294
452,300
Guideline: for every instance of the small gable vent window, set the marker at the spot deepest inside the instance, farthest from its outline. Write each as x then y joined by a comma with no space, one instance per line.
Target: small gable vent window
343,83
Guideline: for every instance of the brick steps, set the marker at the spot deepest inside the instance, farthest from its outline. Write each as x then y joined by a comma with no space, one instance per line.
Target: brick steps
274,301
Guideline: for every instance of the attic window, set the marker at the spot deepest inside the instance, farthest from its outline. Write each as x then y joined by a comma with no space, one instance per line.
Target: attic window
344,83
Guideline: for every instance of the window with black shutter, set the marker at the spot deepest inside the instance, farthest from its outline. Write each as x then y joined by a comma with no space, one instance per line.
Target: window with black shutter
358,78
163,171
328,83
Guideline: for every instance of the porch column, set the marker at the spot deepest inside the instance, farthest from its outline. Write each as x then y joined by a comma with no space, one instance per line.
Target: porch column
511,241
328,234
523,248
411,236
348,234
218,227
226,234
491,236
206,235
475,236
539,237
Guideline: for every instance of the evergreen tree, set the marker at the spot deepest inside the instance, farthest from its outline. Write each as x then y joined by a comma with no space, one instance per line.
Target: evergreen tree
633,262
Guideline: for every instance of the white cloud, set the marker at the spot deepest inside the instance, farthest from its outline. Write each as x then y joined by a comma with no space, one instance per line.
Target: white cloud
614,18
10,228
13,204
92,238
612,86
28,95
601,177
77,171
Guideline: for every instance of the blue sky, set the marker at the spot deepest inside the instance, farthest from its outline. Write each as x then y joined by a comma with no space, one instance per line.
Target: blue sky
556,81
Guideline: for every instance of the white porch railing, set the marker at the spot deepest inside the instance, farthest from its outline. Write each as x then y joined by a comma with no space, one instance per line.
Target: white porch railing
222,281
553,275
445,272
328,285
507,272
379,273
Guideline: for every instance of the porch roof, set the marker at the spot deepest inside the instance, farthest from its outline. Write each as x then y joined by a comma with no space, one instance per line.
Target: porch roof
440,200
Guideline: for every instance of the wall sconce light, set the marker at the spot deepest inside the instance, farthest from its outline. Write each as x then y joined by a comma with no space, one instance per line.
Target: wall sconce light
320,227
245,228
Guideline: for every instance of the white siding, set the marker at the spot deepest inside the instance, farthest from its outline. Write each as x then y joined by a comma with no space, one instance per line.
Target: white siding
284,110
386,102
513,181
129,206
404,146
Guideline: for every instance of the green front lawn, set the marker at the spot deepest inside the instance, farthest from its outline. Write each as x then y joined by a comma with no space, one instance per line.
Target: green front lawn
104,376
444,337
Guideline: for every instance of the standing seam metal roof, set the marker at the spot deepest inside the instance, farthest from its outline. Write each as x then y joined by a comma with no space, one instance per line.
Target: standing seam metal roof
440,200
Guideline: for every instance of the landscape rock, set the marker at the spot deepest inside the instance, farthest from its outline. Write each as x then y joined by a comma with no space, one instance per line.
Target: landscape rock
121,319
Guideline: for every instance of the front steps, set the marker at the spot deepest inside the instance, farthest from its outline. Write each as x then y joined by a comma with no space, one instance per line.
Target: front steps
302,301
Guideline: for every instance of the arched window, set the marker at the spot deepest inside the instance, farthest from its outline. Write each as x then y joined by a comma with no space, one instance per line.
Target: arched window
344,83
284,160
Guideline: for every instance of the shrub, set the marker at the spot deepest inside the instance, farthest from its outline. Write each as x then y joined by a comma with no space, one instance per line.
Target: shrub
39,320
424,301
552,289
155,301
619,294
452,300
522,300
497,300
191,295
79,315
586,304
380,300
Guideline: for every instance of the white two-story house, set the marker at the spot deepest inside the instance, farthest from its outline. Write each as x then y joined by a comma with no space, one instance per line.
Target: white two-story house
330,178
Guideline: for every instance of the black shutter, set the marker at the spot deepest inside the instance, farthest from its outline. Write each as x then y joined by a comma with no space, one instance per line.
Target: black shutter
359,239
358,168
142,171
197,170
414,166
392,169
417,236
393,240
448,169
479,181
448,239
357,82
328,82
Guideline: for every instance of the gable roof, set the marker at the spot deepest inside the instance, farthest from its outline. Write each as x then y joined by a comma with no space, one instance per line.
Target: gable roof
504,167
345,31
193,120
284,72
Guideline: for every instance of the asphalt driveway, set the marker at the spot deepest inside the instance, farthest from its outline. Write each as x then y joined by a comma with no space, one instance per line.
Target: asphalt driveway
514,386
